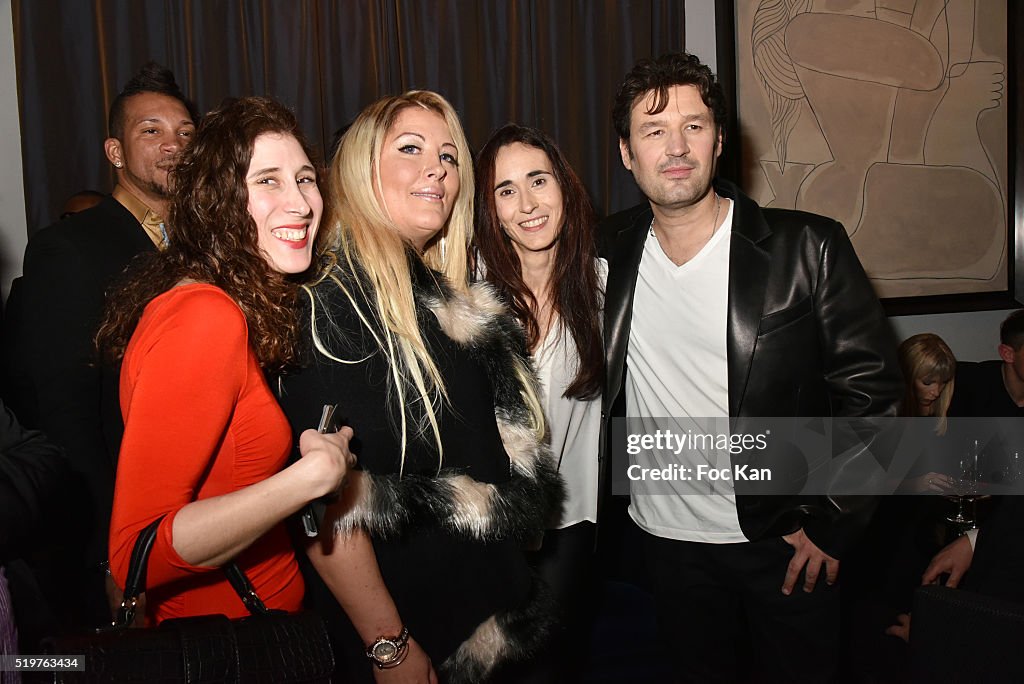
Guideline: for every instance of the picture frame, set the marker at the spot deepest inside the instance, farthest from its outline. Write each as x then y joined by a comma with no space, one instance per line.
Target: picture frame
922,290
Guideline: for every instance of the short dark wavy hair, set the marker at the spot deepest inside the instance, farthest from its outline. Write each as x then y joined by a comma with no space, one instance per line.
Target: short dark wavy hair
213,238
1011,331
657,76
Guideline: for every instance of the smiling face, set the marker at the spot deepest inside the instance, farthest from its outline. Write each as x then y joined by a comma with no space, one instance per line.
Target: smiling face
673,154
417,174
156,128
527,198
284,201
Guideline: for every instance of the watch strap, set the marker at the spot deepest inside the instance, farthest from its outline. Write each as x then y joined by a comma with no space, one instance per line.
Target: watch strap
398,644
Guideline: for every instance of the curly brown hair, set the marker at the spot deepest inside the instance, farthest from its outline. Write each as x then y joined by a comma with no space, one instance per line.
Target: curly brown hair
213,238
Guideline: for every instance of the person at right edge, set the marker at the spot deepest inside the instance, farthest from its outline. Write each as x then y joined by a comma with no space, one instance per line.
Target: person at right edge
716,307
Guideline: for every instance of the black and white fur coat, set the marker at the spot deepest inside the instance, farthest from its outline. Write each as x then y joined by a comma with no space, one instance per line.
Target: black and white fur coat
519,508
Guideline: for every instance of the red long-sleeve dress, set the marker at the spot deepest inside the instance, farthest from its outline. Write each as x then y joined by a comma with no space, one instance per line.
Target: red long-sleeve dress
200,421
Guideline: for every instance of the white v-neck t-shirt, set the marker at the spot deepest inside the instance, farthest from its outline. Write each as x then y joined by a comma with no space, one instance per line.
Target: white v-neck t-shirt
677,369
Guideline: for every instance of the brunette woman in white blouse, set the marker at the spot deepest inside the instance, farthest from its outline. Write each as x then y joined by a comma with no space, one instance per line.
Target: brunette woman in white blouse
535,243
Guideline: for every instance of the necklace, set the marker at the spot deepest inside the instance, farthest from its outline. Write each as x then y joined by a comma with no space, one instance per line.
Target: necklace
714,224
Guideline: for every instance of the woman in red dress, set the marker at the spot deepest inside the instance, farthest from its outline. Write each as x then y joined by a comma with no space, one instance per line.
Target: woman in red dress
196,327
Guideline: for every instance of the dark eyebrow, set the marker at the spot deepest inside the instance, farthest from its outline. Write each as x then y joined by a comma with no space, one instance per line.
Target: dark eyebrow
651,124
277,169
160,120
530,174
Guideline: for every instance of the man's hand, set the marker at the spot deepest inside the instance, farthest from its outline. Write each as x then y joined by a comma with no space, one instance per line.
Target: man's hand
807,557
954,560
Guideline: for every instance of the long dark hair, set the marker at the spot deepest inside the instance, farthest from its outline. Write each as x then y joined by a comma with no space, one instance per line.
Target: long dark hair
213,238
576,291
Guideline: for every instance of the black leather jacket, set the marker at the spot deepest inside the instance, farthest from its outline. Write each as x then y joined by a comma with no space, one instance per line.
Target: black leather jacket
806,336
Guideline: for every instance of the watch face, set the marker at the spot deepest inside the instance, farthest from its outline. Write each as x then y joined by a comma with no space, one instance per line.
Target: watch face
385,651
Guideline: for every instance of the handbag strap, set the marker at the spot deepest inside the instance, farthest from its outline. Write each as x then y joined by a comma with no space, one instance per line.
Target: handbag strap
243,587
135,584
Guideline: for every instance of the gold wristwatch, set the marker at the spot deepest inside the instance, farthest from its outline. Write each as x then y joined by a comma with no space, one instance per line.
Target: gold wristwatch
388,652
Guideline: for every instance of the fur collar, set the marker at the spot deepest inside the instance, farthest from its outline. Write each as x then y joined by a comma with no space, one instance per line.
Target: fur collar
520,508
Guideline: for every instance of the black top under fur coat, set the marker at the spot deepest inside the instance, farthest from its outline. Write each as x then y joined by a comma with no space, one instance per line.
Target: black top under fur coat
449,542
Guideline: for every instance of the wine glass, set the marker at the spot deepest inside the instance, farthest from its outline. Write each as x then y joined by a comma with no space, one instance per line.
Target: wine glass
965,486
1013,473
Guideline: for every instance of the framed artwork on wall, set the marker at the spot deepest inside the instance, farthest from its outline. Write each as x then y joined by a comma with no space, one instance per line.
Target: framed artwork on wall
898,118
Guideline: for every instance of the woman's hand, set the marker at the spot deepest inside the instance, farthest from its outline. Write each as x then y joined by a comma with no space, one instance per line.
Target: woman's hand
415,669
931,483
901,629
115,595
327,459
209,532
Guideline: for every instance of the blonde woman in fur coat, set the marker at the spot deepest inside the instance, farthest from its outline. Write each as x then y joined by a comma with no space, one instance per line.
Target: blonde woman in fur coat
421,561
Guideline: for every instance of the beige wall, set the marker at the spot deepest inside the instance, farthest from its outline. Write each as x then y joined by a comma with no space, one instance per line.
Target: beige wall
971,336
13,231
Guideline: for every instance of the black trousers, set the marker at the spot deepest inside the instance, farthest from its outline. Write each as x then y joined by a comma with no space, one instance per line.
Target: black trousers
564,562
722,616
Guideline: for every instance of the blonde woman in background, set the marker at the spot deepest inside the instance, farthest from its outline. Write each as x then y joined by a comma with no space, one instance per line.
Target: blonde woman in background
929,369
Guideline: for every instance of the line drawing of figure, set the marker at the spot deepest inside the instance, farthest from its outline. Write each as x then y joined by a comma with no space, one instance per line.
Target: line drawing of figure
889,116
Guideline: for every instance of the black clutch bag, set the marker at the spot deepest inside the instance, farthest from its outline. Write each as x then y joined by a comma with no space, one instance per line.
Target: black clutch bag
268,646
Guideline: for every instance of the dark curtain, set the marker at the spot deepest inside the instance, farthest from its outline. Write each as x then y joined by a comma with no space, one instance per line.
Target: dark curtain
554,64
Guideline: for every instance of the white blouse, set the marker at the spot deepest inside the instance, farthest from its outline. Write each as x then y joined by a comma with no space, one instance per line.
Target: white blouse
575,425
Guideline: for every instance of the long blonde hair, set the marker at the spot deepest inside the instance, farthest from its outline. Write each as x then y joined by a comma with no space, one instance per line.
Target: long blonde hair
927,355
365,244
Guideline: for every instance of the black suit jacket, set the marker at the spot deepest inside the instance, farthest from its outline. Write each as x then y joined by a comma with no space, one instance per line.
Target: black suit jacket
54,383
998,564
806,336
980,391
32,473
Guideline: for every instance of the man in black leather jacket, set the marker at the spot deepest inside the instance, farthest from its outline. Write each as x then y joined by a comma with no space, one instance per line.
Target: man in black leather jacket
716,307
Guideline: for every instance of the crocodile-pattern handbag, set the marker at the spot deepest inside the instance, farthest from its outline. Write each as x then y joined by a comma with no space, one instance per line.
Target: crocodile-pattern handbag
268,646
